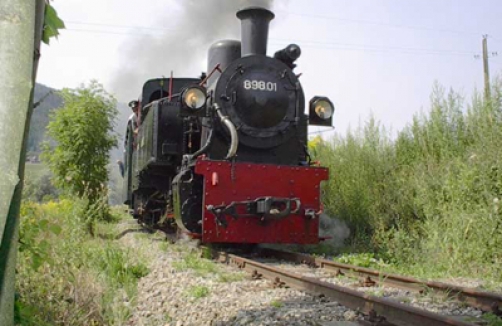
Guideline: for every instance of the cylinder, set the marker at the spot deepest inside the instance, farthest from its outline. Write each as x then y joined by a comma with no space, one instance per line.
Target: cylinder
254,30
224,53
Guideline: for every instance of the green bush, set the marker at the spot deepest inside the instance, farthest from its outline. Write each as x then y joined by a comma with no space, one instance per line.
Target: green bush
430,194
39,188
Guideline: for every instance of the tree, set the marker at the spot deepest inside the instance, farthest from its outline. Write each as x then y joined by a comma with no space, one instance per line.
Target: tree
83,134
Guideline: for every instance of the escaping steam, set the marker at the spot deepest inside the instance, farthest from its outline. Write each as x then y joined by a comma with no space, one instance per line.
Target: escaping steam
182,50
334,228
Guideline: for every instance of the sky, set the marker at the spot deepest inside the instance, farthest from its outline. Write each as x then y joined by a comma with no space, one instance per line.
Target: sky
370,57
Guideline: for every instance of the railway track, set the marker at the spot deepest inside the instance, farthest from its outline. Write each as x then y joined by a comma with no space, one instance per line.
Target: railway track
485,301
378,310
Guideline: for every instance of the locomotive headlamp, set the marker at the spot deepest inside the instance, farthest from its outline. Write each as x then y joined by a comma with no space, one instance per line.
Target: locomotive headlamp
194,97
321,111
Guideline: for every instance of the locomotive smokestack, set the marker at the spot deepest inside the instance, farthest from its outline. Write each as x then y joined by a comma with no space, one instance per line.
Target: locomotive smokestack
254,30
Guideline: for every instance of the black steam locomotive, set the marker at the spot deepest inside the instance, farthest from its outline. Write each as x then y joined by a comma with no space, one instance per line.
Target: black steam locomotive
224,157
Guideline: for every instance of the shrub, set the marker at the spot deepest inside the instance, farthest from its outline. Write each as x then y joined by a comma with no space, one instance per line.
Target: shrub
82,134
431,194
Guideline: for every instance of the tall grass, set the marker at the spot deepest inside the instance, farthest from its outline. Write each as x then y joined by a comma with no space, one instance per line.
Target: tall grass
67,277
432,193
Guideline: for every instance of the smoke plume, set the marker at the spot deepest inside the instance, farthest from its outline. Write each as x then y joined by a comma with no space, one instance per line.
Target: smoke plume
183,50
334,228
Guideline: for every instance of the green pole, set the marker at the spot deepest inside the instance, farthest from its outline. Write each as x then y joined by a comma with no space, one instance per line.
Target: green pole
21,24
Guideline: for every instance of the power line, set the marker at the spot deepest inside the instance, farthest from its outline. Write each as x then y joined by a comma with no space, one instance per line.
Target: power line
357,21
377,47
96,31
361,49
366,47
368,22
124,26
315,44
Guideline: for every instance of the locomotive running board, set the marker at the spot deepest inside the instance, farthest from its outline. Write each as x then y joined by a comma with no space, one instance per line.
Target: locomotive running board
228,185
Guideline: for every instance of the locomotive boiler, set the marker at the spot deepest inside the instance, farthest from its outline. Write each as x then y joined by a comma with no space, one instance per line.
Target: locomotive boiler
224,157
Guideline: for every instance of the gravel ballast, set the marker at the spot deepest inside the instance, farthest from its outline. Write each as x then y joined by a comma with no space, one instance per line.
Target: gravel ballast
174,295
184,289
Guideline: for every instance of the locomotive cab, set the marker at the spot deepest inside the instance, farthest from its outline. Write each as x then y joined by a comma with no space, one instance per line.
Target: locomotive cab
154,152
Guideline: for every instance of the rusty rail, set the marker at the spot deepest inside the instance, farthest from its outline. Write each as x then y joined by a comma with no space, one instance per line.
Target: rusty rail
376,308
486,301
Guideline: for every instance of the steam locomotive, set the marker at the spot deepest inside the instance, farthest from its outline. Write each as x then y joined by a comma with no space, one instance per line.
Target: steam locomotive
224,157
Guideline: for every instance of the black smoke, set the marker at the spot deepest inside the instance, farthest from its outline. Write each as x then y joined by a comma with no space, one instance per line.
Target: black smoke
182,49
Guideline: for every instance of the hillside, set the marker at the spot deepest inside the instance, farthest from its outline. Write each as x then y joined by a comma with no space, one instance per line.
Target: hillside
40,117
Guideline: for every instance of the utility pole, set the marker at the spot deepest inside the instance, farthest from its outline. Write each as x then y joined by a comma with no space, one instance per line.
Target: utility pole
486,69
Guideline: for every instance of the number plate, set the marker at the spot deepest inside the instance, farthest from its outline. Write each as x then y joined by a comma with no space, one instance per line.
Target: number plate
260,85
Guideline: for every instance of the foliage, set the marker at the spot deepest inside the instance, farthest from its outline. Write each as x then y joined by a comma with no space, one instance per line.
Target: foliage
39,189
430,194
492,319
66,277
82,131
198,291
201,266
37,247
52,23
276,303
366,259
230,277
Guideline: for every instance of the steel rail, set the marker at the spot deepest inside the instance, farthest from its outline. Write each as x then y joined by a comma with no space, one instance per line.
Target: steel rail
486,301
375,307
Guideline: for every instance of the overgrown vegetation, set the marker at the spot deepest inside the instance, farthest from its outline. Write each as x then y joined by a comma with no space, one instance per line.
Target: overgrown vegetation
200,266
204,267
82,132
67,277
365,259
427,200
198,291
276,303
37,184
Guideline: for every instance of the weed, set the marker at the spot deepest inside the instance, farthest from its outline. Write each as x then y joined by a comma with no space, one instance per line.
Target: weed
492,319
198,291
230,277
378,292
115,263
406,300
276,303
362,259
201,266
164,246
